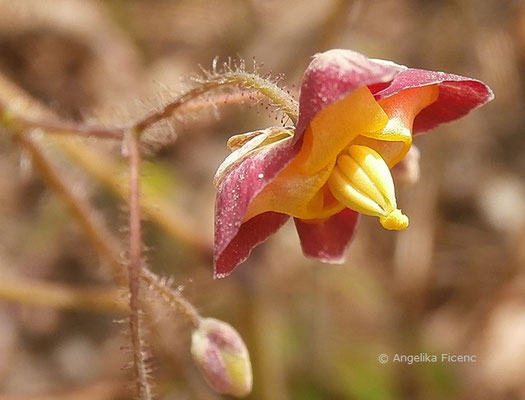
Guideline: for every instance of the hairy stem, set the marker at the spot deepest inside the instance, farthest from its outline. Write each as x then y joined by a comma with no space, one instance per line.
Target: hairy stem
172,297
252,81
277,96
96,231
134,269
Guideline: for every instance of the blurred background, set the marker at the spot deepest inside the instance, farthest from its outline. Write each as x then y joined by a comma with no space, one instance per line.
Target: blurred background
454,282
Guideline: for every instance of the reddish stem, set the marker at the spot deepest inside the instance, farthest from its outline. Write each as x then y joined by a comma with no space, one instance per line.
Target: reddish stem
169,109
134,268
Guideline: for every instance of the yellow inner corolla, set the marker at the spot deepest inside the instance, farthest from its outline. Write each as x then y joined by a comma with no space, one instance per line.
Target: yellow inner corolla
345,159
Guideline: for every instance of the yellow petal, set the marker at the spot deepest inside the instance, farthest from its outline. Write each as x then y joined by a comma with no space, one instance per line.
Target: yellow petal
332,130
394,141
299,189
297,194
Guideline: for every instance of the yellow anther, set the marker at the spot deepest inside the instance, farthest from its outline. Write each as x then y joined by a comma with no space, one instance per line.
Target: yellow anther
395,221
361,180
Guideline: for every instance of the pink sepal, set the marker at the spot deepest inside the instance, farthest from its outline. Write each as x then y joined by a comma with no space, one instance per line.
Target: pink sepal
327,239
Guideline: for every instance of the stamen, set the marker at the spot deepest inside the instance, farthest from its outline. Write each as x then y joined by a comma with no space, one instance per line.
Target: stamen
396,220
361,181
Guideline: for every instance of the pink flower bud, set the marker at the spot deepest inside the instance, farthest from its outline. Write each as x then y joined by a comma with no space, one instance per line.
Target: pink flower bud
222,357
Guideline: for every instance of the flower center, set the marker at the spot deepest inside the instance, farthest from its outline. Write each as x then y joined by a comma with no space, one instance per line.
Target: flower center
361,181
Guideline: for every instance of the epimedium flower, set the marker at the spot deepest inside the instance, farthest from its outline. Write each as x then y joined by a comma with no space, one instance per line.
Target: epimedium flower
357,117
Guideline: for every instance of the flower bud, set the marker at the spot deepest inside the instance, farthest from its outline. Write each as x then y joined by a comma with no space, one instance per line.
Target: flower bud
222,357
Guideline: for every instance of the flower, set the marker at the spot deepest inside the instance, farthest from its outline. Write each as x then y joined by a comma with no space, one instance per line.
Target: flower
357,117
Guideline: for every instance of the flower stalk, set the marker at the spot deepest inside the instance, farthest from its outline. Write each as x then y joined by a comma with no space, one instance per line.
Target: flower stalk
241,78
134,269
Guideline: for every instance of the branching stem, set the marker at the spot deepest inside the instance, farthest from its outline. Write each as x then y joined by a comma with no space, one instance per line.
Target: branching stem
245,80
19,125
